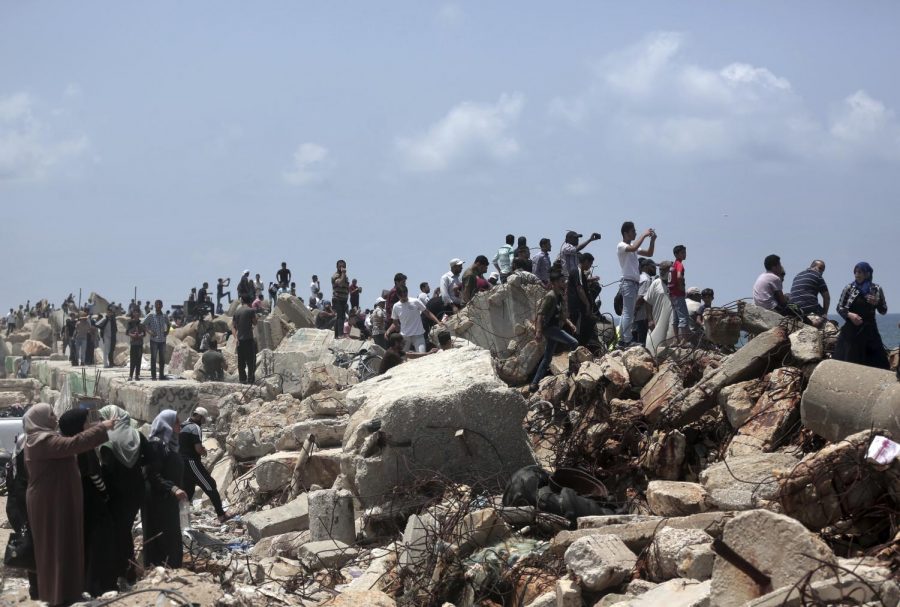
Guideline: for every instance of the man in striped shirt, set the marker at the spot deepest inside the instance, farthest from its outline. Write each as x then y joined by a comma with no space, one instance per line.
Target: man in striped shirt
807,287
157,325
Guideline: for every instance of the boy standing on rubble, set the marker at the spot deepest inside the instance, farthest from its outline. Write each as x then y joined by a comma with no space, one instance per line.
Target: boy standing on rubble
677,295
551,323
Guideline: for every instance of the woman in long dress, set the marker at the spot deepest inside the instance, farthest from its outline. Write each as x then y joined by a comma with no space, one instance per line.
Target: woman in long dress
163,470
55,502
99,566
859,340
120,459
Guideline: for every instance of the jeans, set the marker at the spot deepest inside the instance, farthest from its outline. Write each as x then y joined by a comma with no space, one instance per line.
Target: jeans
680,317
629,289
135,354
552,336
246,352
81,348
414,342
157,351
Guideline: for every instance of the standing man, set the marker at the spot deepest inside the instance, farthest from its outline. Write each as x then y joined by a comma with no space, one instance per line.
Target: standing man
157,325
570,249
135,331
377,319
678,295
580,312
551,323
315,288
407,319
355,292
807,287
340,290
424,292
242,329
451,286
222,293
503,258
768,290
204,302
628,252
258,286
283,275
393,297
245,286
108,331
10,322
470,278
190,444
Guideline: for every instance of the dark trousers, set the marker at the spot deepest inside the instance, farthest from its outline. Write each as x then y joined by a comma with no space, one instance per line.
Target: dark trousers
195,473
9,328
111,351
552,337
640,331
135,353
157,352
340,308
246,352
380,341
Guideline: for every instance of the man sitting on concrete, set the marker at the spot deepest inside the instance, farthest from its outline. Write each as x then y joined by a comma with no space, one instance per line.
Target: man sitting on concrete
768,290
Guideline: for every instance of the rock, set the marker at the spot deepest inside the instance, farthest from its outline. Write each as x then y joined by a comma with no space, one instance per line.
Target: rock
295,351
331,516
274,472
421,535
674,593
755,319
600,561
329,432
559,364
480,529
844,398
375,576
737,400
730,499
548,599
292,516
670,498
294,311
665,552
588,376
42,331
222,473
807,345
494,319
696,562
775,544
329,403
256,428
660,390
326,554
183,358
664,455
421,409
359,598
638,587
318,377
616,375
35,348
568,593
638,534
754,473
640,365
774,416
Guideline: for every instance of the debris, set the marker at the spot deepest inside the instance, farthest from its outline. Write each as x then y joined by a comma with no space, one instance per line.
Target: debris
600,561
292,516
670,498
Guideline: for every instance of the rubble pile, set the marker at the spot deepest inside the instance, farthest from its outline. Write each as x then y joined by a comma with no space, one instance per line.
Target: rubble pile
708,474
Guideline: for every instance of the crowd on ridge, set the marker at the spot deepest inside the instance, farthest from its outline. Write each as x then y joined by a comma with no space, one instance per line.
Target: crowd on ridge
104,472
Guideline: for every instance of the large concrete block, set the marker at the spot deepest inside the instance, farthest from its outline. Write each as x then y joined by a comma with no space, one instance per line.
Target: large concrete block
773,417
294,311
844,398
600,561
465,424
292,516
302,347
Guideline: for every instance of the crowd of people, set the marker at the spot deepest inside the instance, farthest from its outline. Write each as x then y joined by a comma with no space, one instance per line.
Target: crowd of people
75,487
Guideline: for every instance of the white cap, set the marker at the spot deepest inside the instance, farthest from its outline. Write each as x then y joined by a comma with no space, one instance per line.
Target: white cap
456,261
380,300
246,272
202,412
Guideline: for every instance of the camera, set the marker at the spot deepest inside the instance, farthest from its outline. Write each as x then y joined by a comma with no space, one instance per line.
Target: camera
595,236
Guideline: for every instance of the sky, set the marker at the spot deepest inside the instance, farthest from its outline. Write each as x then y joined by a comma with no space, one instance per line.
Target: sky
159,145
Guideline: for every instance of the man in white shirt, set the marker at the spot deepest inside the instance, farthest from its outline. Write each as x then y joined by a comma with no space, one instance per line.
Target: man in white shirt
406,317
451,286
628,251
768,291
503,259
424,293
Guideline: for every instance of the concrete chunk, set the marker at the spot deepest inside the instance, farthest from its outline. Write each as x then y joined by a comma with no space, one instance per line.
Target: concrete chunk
326,554
672,498
600,561
292,516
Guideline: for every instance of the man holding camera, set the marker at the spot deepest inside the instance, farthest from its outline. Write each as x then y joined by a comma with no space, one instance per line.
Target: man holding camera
568,252
628,251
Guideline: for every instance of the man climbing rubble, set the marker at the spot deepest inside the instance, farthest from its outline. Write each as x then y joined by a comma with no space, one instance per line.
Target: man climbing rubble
190,443
551,323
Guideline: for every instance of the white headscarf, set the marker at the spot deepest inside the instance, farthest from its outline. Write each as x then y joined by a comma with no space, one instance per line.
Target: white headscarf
124,440
163,428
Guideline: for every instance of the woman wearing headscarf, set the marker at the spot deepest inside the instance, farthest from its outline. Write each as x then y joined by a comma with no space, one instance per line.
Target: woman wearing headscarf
120,460
99,566
55,502
163,470
859,340
16,504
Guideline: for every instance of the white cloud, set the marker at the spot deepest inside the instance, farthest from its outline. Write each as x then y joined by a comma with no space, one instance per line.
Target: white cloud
469,131
865,126
636,71
579,186
309,166
450,14
29,148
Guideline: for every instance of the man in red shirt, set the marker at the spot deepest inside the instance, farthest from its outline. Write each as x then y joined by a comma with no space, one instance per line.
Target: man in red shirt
680,318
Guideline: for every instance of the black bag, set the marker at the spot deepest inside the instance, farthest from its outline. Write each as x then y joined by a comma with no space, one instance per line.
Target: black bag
19,552
618,303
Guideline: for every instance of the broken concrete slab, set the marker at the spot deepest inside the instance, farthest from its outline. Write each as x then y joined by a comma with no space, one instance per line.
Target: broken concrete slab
672,498
32,347
756,473
600,561
331,516
640,366
674,593
329,432
326,554
773,417
738,400
667,550
295,311
844,398
660,390
807,346
464,425
292,516
775,545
